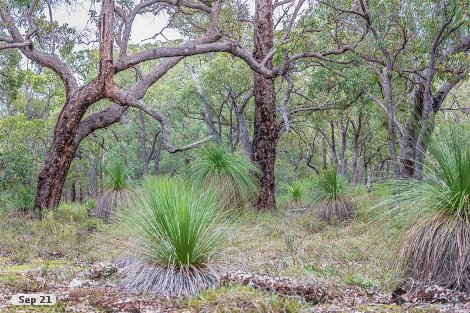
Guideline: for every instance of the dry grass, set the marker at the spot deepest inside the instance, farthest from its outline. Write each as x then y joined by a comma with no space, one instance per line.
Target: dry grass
234,299
308,250
63,233
437,250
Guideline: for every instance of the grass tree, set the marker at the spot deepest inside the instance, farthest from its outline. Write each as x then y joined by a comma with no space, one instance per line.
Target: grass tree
294,195
333,204
116,193
435,215
230,173
176,229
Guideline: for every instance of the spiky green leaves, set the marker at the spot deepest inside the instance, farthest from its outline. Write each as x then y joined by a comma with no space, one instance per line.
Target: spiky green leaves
116,174
178,228
295,193
451,172
330,185
229,172
434,215
332,202
117,195
445,184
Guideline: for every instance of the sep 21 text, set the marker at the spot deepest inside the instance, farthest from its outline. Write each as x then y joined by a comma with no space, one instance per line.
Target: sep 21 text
33,299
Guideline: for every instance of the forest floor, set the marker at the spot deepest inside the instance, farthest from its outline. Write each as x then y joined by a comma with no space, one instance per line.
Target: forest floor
72,258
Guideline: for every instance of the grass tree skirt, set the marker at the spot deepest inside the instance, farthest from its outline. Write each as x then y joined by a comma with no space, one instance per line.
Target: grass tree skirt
437,250
169,281
332,210
109,201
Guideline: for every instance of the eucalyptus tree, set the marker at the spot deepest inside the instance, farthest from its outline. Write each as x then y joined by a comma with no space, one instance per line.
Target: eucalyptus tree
21,31
419,52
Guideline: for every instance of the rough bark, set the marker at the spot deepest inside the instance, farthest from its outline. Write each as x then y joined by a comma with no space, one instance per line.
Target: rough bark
265,128
65,141
60,154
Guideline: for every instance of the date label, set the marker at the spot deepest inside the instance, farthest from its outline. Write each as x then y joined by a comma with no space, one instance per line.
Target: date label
33,299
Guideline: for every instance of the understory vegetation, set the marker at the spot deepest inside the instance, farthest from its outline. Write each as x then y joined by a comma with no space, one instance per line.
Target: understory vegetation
236,155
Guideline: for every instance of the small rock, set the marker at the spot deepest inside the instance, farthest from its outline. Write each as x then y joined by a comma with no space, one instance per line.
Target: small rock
77,283
101,270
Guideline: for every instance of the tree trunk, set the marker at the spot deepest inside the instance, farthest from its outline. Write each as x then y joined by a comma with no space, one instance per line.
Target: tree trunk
265,128
411,133
242,131
59,156
386,82
356,177
143,142
325,165
73,191
334,156
156,157
344,137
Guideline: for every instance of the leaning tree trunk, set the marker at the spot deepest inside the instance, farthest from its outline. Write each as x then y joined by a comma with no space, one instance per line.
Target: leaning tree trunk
265,128
60,155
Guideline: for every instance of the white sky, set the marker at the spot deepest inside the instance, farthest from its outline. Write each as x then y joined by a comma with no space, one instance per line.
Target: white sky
144,26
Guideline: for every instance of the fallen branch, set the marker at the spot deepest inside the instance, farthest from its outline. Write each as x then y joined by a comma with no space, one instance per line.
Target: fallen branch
281,285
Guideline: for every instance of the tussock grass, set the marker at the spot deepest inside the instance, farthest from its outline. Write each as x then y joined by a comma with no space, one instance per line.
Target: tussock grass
432,216
177,229
230,173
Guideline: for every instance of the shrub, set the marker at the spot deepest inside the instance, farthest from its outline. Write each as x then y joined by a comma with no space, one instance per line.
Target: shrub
330,195
62,232
230,173
434,214
177,229
116,194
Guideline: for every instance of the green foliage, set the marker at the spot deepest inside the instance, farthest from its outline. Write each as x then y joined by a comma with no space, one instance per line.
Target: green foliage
25,198
434,214
229,172
445,187
330,185
116,174
294,193
178,224
179,230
